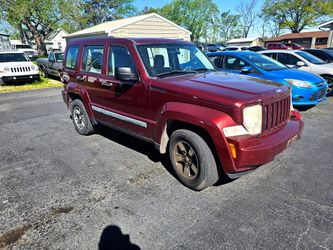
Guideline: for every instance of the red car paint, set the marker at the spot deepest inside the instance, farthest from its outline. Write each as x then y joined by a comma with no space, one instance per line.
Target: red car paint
278,45
210,101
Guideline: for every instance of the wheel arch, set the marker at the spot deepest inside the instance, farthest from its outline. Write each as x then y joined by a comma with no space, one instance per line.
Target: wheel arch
207,122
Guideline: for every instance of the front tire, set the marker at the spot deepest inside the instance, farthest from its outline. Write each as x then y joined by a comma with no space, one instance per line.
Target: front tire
80,118
329,80
192,160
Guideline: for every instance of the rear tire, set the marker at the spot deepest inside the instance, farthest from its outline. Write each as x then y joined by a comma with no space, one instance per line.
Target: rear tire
80,118
192,160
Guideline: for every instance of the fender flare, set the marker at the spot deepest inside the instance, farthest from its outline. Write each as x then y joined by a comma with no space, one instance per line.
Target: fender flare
77,89
210,120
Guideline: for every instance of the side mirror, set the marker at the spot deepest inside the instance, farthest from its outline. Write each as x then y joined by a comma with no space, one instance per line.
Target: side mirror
246,70
126,74
300,64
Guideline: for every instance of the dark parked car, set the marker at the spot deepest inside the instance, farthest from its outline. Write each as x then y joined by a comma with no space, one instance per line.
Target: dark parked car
256,48
277,45
51,65
214,47
167,92
294,45
324,54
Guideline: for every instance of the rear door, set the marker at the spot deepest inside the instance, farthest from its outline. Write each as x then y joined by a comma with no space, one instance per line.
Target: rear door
127,104
91,74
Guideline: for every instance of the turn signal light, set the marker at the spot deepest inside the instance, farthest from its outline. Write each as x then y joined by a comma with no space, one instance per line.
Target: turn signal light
233,150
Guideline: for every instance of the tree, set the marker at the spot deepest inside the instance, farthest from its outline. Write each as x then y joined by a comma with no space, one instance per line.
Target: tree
100,11
297,15
148,10
248,15
32,18
195,15
229,26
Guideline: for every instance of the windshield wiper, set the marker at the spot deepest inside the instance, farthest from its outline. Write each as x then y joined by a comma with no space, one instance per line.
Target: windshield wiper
176,72
203,69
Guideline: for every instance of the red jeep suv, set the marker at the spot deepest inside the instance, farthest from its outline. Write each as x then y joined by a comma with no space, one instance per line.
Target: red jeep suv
168,93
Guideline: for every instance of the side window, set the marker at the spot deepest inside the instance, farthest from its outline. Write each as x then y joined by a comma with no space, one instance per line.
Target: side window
271,55
287,59
233,63
92,58
52,58
119,57
71,57
216,60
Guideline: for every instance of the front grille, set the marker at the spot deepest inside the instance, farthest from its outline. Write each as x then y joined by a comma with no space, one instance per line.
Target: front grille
275,113
20,69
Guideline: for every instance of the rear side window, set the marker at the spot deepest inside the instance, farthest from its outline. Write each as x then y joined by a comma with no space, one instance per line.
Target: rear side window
71,57
93,58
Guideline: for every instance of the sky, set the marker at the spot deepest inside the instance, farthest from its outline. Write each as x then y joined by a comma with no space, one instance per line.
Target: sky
224,5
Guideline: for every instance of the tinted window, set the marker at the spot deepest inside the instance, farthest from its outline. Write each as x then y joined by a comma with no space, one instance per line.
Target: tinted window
309,57
287,59
119,57
216,60
52,59
13,57
271,55
233,63
92,59
71,58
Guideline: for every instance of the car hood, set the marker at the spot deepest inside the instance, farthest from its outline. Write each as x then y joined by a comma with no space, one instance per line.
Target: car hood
295,74
227,89
16,64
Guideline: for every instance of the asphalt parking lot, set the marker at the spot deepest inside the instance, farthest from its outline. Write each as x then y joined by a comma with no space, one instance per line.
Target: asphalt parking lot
60,190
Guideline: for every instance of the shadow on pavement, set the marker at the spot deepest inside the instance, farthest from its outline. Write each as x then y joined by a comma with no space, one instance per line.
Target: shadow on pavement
304,108
147,149
113,238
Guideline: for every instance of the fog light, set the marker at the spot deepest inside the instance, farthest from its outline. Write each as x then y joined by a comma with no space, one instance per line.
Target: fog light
233,150
298,98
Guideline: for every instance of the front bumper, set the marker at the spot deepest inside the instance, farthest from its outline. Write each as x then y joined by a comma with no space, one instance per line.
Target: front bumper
29,77
309,96
253,151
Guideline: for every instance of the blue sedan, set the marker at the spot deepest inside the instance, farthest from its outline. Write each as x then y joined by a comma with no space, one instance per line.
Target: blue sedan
307,88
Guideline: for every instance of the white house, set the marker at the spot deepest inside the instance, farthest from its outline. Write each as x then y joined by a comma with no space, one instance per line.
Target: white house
56,40
148,25
246,42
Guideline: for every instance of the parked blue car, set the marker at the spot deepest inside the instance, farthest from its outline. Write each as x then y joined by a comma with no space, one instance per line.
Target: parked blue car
307,88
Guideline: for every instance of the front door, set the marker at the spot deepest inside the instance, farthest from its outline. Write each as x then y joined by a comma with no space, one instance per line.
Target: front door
127,103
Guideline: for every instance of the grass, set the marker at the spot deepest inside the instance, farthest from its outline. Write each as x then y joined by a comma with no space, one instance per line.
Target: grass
43,84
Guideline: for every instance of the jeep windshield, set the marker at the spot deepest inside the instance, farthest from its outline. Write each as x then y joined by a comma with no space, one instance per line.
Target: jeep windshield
173,59
13,57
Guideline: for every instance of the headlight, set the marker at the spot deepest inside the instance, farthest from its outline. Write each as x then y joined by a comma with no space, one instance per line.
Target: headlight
252,119
6,69
299,83
33,67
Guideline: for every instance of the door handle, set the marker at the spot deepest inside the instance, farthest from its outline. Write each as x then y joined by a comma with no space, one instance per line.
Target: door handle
106,84
80,78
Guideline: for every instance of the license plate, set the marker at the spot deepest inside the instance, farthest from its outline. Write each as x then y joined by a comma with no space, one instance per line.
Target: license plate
293,139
